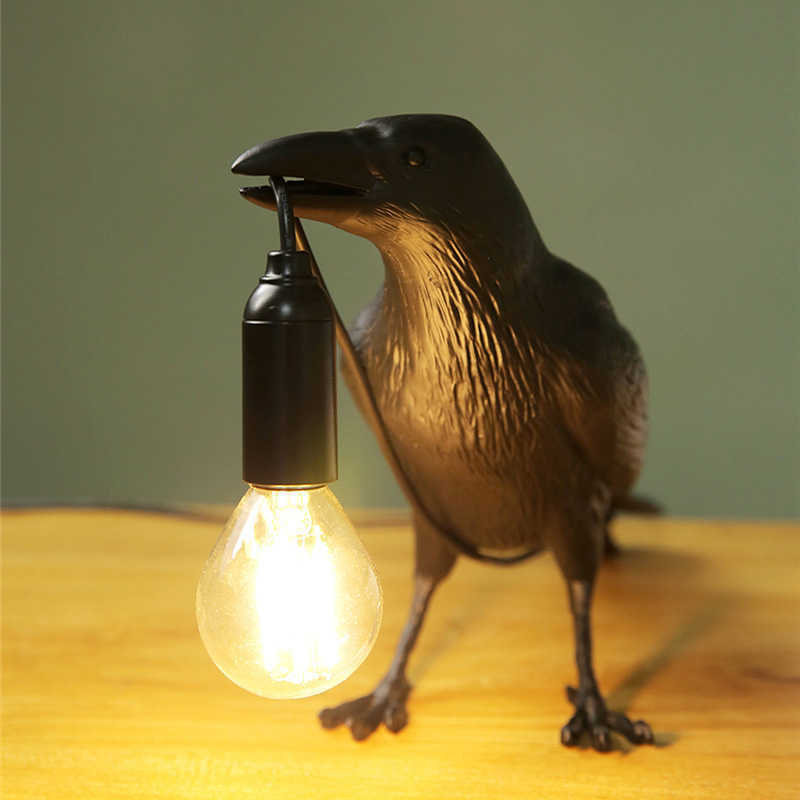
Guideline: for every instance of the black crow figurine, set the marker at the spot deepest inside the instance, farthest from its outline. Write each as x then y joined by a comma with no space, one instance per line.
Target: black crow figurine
515,401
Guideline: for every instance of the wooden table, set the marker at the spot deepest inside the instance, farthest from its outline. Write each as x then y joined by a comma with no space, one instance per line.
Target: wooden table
108,692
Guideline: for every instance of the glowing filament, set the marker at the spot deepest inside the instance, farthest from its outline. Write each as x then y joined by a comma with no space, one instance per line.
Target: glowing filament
295,591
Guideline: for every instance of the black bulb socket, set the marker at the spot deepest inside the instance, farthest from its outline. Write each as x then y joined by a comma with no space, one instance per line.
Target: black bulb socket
289,372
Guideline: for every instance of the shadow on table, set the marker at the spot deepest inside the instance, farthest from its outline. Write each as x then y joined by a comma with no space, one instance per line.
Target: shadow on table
624,576
667,572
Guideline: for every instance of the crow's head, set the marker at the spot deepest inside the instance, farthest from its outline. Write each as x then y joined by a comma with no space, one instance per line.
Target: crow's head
393,179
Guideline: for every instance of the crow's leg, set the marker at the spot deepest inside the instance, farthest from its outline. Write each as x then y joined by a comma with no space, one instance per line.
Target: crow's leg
591,714
387,702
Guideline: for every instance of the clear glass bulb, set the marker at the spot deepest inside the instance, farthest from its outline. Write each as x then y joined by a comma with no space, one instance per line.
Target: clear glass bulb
289,603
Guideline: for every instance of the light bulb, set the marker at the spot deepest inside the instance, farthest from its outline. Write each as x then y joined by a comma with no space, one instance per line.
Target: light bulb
288,603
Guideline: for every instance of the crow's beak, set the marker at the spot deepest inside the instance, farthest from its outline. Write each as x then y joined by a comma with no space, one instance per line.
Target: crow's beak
334,176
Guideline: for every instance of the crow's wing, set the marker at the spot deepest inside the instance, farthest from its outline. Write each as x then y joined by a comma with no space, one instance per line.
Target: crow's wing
597,379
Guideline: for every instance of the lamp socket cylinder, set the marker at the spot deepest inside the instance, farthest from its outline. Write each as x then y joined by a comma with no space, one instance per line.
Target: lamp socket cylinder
289,378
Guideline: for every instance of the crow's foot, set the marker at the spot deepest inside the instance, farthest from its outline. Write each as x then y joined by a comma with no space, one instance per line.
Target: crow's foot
387,704
592,716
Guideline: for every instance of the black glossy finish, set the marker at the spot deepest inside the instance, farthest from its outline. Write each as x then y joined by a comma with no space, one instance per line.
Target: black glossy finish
289,374
513,400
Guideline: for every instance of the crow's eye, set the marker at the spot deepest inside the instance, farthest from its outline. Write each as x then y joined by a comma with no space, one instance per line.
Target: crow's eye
415,157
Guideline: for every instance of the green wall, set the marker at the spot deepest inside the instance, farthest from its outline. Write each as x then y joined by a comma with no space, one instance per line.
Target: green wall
656,144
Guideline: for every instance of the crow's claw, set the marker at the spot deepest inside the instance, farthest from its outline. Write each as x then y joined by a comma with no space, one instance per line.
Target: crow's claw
387,704
591,716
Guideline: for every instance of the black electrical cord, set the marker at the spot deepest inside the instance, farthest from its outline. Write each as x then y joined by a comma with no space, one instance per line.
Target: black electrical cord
285,213
365,399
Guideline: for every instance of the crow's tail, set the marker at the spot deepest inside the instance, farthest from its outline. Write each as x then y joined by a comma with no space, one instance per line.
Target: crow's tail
636,504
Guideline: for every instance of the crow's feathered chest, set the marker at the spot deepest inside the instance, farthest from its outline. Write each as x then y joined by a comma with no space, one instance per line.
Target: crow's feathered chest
493,373
453,361
466,377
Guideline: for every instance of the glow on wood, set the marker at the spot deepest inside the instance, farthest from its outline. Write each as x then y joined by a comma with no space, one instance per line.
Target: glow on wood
109,693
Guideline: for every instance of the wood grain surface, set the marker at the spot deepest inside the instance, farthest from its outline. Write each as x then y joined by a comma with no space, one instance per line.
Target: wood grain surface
108,692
